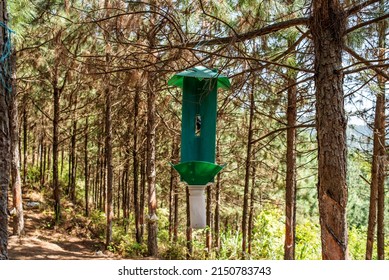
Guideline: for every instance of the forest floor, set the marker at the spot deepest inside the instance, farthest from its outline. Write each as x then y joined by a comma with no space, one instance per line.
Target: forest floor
71,240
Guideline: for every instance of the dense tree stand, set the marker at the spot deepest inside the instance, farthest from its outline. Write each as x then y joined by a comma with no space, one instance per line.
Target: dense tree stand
90,113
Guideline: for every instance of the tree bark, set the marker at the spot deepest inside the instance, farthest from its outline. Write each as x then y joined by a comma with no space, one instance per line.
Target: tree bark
98,176
152,224
251,212
108,158
86,169
4,140
142,196
41,153
208,231
46,155
173,194
247,175
217,206
56,187
4,168
327,28
135,159
18,219
72,183
290,182
379,133
189,242
217,215
25,139
175,202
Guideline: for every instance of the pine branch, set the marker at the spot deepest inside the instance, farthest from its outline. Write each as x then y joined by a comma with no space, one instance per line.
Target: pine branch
281,129
369,65
355,9
374,20
249,35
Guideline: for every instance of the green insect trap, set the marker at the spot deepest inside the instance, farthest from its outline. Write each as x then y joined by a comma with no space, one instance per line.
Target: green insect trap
198,134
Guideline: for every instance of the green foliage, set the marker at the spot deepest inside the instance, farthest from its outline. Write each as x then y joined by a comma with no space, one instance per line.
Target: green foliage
358,190
357,243
231,241
268,235
174,252
33,174
98,221
308,246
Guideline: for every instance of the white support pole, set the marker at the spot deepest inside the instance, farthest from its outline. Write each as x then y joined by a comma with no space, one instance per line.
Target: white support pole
197,206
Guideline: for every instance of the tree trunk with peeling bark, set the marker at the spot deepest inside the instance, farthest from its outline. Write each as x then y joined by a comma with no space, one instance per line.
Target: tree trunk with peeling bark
4,142
18,219
152,223
328,28
290,182
379,133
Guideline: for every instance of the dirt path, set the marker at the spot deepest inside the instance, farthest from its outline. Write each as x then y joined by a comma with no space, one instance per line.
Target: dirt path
44,242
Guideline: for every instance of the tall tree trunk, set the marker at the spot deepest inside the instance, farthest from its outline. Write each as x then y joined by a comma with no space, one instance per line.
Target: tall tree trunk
173,194
251,212
97,177
135,159
217,207
108,158
379,133
104,180
118,192
56,187
86,169
4,139
48,162
208,232
247,175
45,155
175,202
327,28
62,160
152,224
72,183
41,153
171,221
25,139
217,214
189,242
33,148
18,219
290,182
126,194
142,199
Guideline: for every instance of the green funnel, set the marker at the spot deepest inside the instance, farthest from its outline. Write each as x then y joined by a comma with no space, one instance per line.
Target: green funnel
200,73
197,172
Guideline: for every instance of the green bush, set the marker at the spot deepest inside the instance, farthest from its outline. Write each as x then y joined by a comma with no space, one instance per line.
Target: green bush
268,235
308,243
357,243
